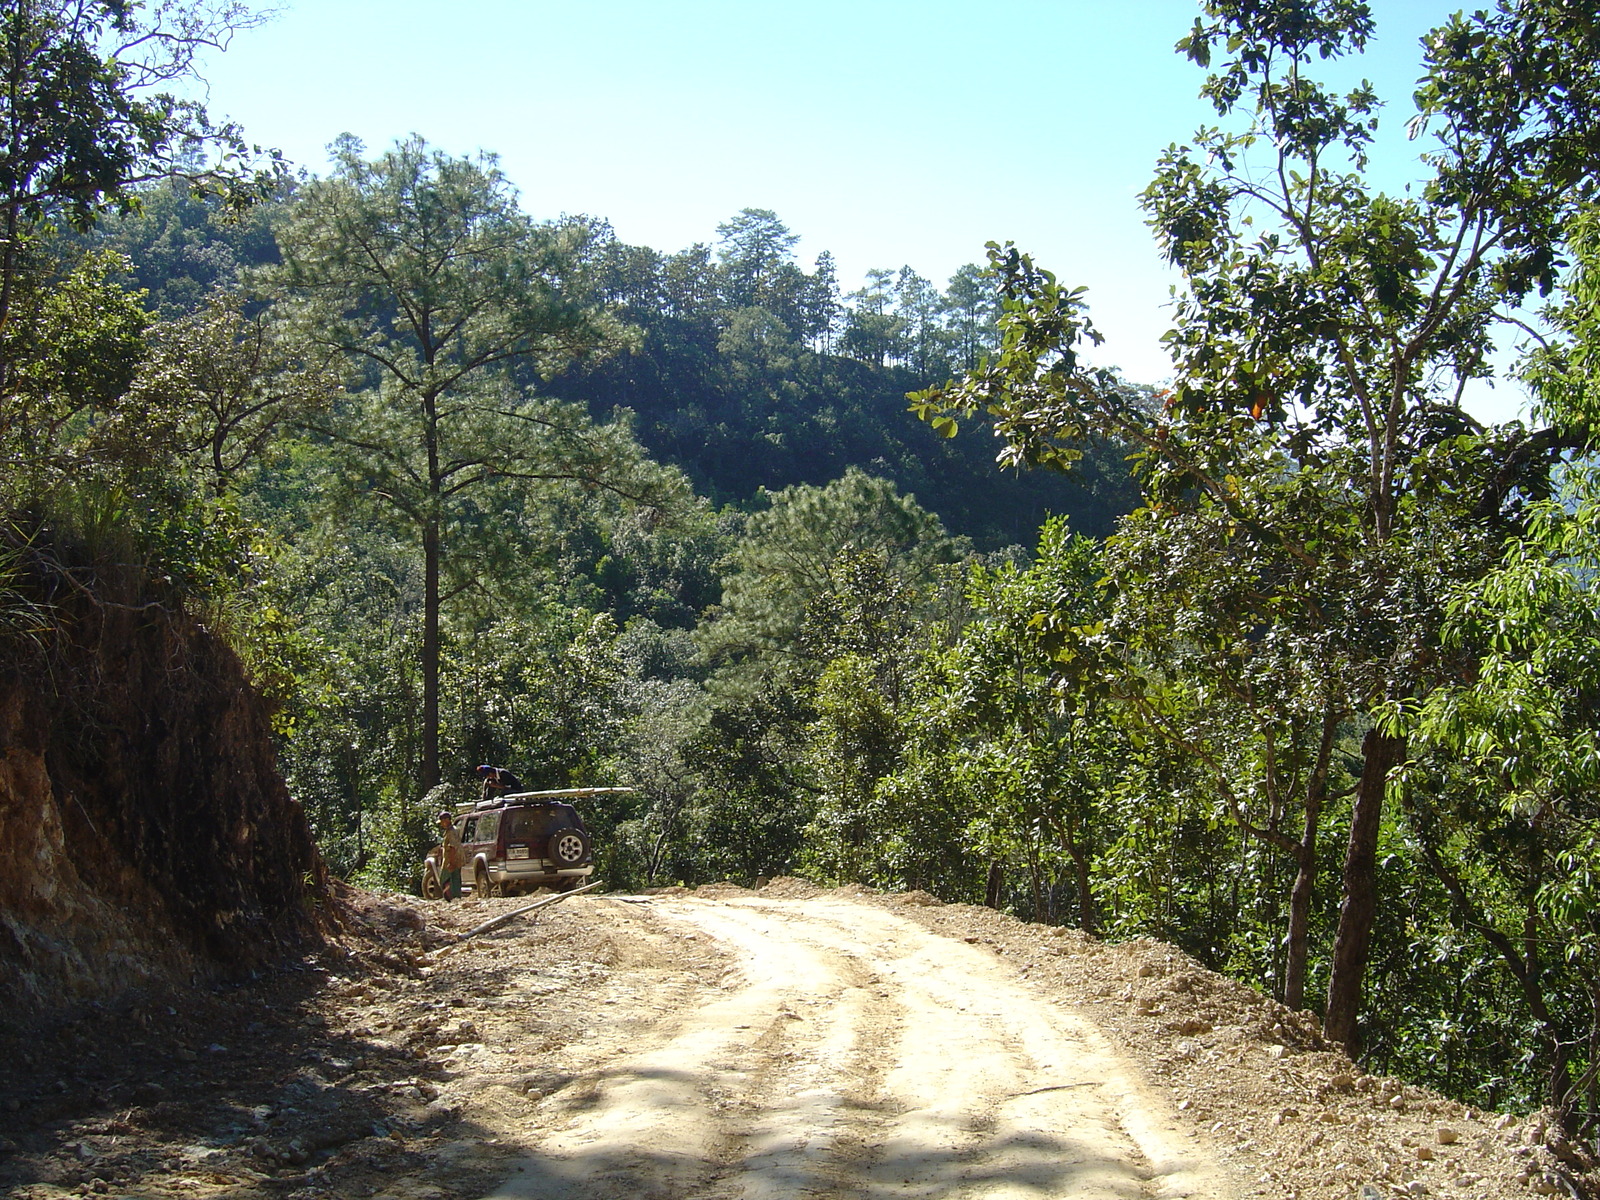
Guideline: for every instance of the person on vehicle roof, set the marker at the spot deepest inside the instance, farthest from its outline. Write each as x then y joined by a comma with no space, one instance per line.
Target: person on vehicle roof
497,782
454,857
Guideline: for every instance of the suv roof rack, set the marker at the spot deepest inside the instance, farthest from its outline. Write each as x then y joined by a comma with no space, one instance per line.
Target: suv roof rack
557,793
553,794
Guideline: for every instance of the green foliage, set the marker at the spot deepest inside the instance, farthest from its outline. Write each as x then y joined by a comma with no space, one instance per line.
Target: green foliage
75,350
664,720
82,126
349,752
423,270
81,123
21,619
182,248
1497,798
91,475
398,830
421,274
824,597
754,251
1342,609
784,566
857,738
230,382
750,387
756,797
959,755
540,697
1564,370
1314,489
998,747
1041,327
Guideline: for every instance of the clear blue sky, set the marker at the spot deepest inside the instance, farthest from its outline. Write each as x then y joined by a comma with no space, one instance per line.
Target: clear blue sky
888,132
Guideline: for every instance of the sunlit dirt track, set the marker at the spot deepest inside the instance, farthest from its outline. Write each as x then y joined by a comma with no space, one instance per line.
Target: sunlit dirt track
852,1053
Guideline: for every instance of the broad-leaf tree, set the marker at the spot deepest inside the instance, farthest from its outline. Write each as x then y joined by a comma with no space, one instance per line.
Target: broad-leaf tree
232,381
1324,336
86,117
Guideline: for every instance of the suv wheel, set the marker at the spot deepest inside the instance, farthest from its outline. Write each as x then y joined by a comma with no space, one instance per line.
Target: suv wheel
481,885
432,885
568,847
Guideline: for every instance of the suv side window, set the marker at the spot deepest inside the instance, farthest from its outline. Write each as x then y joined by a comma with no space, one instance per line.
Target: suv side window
488,827
468,831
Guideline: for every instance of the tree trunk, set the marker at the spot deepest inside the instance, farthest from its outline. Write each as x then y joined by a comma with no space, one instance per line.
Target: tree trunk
1594,1045
1080,868
1351,944
1300,896
1297,943
996,877
430,653
431,553
1033,880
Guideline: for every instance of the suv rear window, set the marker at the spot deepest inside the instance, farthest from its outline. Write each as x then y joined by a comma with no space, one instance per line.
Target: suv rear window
527,823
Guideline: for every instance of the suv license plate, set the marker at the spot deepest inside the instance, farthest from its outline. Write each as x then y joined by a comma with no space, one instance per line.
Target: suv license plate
516,852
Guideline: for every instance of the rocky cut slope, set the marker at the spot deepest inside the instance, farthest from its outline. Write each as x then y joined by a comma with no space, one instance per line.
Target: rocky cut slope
145,833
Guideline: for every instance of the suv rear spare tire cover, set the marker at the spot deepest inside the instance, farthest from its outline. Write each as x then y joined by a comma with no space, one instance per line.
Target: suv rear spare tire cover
568,847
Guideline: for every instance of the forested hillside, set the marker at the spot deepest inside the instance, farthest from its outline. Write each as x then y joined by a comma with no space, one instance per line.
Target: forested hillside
1290,662
739,367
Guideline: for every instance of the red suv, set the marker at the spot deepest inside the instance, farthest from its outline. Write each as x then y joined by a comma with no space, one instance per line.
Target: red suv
519,843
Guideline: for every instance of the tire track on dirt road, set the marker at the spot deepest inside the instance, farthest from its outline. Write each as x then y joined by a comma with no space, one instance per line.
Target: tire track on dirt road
861,1056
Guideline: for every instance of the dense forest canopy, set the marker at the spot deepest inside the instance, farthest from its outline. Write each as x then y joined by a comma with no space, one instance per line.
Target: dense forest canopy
1289,662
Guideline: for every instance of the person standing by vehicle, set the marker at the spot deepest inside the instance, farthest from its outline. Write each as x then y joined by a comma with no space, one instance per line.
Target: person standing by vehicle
454,857
497,782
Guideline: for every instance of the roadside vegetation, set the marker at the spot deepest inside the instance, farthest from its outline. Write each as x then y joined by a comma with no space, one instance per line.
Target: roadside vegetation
1290,662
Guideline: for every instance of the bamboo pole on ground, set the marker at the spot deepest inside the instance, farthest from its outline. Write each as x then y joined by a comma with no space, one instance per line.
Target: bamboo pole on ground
496,922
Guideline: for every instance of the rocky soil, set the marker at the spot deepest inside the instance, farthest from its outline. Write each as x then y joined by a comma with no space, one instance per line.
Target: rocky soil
406,1062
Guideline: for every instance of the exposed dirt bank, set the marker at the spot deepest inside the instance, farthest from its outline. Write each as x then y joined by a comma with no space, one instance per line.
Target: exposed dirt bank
145,832
723,1043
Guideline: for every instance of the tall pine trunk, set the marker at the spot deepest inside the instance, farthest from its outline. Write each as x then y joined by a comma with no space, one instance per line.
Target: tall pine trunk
432,533
432,552
430,653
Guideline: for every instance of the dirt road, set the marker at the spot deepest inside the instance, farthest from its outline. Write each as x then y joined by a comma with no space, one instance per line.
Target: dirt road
856,1054
722,1044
